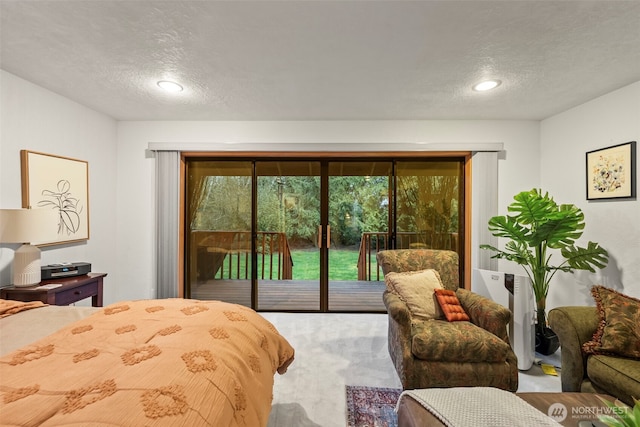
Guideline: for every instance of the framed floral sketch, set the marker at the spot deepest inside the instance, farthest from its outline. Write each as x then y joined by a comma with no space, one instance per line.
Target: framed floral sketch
611,172
59,183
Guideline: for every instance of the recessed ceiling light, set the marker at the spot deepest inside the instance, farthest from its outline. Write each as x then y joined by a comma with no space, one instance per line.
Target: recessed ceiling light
170,86
487,85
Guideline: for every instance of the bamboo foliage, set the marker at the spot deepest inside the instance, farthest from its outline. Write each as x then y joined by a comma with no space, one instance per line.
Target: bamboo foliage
428,205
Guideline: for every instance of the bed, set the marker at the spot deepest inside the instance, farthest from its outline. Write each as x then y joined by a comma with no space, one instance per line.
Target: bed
173,362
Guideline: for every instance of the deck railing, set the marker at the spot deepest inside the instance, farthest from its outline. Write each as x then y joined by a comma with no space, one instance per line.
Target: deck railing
374,242
370,245
227,255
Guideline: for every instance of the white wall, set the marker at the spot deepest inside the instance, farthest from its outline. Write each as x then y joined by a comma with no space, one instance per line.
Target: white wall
136,169
565,138
32,118
122,173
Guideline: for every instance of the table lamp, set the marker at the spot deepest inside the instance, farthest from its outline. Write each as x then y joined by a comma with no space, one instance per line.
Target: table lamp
27,226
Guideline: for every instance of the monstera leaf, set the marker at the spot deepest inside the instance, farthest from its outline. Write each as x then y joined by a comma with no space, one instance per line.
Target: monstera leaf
535,226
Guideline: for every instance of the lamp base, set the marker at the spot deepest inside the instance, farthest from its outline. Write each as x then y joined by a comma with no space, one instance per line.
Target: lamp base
26,266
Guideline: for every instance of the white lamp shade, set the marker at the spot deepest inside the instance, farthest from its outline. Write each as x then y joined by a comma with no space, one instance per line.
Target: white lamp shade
28,225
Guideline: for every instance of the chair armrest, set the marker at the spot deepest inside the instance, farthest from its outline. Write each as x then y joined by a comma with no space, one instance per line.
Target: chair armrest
574,326
397,309
487,314
399,336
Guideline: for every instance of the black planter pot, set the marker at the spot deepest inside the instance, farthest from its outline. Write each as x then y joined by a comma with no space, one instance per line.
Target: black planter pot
547,341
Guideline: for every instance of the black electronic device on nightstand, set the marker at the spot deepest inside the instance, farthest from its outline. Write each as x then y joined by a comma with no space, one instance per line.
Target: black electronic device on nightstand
54,271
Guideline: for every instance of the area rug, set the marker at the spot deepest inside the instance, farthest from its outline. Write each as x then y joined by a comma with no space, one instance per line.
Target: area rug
372,406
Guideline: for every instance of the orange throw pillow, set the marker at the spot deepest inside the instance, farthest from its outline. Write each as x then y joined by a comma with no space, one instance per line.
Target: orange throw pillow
450,305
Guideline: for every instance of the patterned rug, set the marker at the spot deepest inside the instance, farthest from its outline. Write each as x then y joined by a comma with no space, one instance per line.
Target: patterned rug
372,406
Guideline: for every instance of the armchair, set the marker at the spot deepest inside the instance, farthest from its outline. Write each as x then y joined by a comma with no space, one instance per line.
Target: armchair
591,373
438,353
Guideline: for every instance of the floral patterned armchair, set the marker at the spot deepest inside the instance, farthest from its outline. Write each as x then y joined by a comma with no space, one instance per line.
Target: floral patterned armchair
438,353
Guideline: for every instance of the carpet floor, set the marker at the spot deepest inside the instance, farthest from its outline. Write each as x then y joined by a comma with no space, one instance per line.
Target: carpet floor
334,350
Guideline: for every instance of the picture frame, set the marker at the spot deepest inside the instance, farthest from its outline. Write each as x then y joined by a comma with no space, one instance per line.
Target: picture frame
611,172
61,183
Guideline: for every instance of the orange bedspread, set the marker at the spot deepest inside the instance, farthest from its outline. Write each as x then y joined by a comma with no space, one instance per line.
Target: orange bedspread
153,362
9,307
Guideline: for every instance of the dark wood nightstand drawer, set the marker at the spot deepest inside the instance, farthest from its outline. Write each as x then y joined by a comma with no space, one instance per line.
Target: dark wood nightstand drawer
72,289
70,296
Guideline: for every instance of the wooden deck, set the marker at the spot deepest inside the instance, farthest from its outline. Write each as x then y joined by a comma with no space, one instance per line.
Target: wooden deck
295,295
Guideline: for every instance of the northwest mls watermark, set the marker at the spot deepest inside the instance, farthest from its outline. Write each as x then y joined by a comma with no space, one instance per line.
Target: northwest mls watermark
559,412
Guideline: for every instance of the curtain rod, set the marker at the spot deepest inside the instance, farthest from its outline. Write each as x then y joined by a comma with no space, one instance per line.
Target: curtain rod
327,147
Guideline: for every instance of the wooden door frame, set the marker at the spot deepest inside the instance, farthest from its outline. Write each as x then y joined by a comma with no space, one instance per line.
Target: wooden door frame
350,155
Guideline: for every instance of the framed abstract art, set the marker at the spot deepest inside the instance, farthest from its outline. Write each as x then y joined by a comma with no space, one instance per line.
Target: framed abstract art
611,172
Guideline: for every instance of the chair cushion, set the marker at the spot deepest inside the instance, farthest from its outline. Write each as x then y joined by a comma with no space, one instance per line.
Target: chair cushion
416,288
439,340
443,261
450,305
618,376
618,333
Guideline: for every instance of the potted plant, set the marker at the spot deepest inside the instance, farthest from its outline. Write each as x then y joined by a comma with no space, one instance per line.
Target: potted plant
537,226
620,415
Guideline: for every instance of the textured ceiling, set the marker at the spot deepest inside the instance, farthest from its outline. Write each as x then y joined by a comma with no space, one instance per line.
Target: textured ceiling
323,60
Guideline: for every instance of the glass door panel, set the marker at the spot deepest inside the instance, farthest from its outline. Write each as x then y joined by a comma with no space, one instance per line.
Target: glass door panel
428,204
219,231
359,225
288,243
302,235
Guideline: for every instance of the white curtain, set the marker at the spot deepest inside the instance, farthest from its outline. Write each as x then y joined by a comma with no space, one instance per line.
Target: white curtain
167,222
484,205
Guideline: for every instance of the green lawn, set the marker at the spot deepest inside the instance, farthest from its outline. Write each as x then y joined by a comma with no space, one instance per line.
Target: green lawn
343,264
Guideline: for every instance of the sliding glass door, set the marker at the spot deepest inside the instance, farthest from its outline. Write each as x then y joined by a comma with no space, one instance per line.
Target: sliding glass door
359,214
301,234
218,231
288,245
429,211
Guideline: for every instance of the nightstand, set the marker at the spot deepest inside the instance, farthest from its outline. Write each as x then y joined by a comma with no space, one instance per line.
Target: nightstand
73,289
